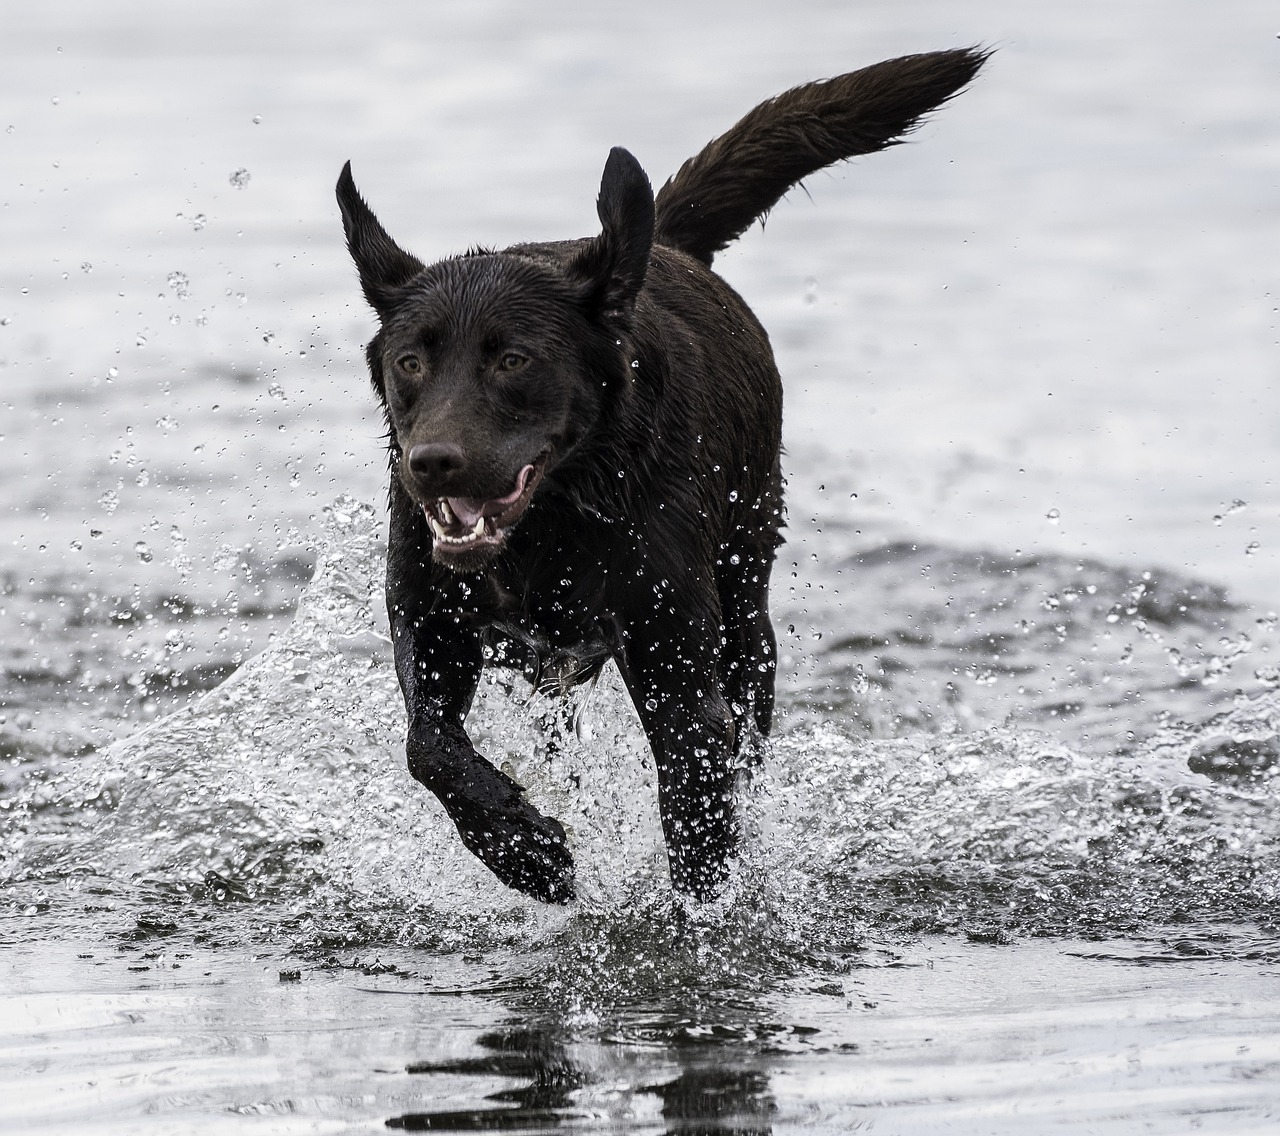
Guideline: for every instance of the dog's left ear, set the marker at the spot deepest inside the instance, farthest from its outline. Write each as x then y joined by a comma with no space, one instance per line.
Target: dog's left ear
611,268
383,265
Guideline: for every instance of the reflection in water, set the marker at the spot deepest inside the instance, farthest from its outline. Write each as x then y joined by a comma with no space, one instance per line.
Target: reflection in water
718,1100
532,1054
708,1099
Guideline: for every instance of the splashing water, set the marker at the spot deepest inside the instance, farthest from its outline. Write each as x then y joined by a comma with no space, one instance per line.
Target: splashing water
279,803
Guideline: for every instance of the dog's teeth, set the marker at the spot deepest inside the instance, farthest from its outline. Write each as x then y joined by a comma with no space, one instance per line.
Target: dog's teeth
436,527
478,531
446,512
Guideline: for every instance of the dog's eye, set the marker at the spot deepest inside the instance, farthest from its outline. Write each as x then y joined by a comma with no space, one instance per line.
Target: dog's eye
511,361
410,364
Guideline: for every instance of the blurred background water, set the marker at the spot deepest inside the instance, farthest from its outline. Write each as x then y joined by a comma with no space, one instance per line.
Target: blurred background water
1022,795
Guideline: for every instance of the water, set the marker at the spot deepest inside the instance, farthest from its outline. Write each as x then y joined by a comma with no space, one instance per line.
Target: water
1011,863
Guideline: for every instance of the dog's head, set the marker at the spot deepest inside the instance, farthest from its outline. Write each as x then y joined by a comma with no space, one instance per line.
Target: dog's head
494,367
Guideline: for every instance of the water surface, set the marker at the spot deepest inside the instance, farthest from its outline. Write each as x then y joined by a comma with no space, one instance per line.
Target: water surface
1011,862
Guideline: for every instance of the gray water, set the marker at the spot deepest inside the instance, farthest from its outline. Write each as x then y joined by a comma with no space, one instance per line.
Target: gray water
1012,861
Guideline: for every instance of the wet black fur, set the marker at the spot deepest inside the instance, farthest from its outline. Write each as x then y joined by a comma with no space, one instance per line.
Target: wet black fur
650,391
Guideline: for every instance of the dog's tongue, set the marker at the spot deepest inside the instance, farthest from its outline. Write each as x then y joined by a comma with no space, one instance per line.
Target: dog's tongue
468,510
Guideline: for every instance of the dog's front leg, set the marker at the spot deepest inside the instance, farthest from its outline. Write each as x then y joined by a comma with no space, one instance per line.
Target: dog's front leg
438,660
669,666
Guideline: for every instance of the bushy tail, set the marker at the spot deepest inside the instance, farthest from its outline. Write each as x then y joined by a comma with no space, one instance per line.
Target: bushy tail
717,194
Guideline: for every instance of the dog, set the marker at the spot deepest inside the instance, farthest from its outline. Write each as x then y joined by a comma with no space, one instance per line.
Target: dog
584,440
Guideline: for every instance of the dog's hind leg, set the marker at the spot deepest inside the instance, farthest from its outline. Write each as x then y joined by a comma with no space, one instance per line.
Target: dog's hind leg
748,659
749,656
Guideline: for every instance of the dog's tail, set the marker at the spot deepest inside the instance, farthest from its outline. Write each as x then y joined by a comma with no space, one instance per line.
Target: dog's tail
717,194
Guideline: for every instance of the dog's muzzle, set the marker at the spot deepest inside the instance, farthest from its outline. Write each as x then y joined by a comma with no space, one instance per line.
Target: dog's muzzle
463,526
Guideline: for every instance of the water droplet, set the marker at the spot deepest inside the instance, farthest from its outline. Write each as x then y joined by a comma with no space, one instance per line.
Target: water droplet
109,501
55,100
276,391
1235,507
112,372
268,336
179,284
167,422
141,340
651,704
1251,548
733,494
257,119
1053,516
143,549
240,178
85,266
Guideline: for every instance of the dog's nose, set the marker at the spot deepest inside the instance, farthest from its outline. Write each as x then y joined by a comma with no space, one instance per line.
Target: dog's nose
436,462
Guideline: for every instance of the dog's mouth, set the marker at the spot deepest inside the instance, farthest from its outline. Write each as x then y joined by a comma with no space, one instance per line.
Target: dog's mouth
465,525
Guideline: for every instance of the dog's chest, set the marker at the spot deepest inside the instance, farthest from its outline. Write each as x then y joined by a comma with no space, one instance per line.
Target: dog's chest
553,620
558,636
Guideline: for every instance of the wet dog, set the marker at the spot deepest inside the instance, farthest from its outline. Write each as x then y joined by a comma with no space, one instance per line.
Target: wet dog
584,443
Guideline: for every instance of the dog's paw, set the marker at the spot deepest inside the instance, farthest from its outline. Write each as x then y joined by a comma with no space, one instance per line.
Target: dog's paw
523,848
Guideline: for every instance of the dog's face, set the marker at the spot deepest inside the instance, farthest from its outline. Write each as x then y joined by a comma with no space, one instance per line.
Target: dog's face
486,386
493,367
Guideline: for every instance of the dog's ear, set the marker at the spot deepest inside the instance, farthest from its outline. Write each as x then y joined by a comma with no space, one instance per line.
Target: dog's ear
383,265
611,268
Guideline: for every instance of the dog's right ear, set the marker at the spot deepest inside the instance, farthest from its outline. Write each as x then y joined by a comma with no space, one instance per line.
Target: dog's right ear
383,265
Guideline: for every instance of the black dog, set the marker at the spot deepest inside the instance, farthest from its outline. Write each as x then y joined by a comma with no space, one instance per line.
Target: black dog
584,443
